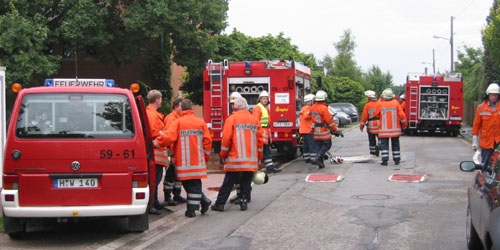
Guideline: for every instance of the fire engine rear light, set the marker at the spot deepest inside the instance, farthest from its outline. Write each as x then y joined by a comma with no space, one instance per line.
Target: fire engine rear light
10,197
290,82
10,182
140,196
139,180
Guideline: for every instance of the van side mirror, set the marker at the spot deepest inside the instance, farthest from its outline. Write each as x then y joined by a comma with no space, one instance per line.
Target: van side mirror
469,166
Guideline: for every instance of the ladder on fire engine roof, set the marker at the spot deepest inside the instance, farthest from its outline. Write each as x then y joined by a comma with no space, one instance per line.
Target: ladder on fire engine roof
413,117
216,72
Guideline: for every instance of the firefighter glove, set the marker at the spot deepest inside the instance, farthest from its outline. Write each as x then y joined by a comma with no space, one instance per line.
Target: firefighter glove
474,142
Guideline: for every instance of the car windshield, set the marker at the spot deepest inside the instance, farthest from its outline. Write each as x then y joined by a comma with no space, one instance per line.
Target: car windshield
75,115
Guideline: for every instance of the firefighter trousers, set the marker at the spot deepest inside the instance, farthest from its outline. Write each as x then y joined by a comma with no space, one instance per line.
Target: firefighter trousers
372,141
267,158
384,148
243,179
308,147
322,146
171,184
194,194
485,153
159,175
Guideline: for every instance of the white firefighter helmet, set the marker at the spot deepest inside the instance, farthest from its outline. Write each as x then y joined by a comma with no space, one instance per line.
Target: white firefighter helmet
260,178
402,97
235,95
263,93
308,97
387,94
321,96
493,89
370,94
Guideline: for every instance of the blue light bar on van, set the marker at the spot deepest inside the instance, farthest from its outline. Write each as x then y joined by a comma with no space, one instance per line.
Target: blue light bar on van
66,82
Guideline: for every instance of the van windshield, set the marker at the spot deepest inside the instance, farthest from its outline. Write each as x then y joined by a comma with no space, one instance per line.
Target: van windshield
75,115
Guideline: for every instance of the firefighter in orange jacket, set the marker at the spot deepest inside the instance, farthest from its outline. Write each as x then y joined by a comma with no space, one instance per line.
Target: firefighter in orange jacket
323,122
191,143
305,129
160,155
391,118
487,121
370,117
402,102
241,151
261,112
171,184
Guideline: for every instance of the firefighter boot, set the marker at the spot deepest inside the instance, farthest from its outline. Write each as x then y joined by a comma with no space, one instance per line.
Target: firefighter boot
383,163
319,161
272,169
179,199
154,211
243,204
205,204
169,200
237,199
217,207
190,213
396,162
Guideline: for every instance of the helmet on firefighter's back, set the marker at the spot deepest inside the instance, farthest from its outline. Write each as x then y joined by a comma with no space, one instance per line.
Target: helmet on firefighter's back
370,94
402,97
263,94
331,110
308,97
260,178
235,95
493,89
387,94
321,96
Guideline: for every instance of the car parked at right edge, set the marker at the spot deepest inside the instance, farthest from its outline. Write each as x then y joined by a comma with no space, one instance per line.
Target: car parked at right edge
483,210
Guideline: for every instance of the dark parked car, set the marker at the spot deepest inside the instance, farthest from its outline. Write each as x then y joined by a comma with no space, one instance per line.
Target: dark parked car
483,210
347,108
341,118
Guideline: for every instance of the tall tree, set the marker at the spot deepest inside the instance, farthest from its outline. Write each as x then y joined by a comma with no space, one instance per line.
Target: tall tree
344,64
491,42
471,64
376,80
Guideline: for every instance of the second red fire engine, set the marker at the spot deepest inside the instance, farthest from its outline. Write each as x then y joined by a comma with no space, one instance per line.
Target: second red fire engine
287,82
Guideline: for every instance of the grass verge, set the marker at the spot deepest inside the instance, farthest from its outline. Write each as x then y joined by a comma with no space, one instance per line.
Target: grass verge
1,223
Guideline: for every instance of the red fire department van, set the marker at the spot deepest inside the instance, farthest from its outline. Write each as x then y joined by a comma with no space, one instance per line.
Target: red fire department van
76,148
286,82
434,103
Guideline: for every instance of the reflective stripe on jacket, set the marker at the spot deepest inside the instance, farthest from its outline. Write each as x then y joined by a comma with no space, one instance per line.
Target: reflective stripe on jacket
305,120
259,112
371,116
242,143
391,117
157,128
487,125
190,140
323,121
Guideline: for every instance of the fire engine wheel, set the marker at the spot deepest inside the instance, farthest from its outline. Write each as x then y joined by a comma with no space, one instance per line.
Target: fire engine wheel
16,228
138,223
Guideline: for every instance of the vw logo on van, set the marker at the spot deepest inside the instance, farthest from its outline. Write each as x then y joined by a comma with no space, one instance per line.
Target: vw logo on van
75,166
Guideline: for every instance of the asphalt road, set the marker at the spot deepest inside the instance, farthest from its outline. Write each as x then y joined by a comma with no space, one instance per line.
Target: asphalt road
364,211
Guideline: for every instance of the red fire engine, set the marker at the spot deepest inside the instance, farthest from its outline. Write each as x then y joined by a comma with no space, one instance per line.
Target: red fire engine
287,82
434,103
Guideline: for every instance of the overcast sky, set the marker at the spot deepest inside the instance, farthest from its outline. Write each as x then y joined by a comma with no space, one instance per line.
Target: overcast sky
396,35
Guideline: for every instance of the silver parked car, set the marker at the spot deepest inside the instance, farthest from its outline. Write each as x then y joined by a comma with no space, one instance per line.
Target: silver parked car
341,118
